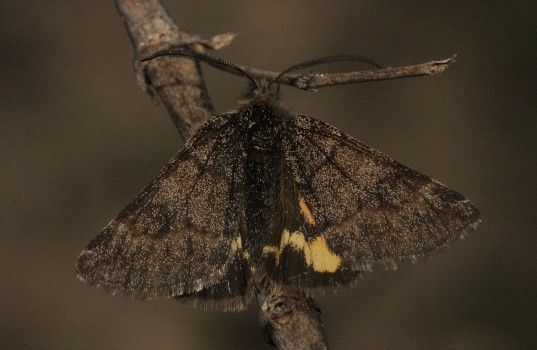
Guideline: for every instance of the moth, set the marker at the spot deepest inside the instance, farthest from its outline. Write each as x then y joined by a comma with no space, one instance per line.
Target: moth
261,197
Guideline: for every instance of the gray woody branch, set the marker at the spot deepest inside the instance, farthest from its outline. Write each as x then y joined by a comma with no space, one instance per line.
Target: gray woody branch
287,321
314,81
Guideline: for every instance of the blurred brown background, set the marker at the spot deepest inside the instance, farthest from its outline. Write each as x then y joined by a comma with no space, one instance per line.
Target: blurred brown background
78,139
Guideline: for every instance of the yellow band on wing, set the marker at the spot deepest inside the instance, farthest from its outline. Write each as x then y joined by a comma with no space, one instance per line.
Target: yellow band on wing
316,253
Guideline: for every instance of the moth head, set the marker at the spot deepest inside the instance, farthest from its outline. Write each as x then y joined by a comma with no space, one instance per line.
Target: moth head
263,89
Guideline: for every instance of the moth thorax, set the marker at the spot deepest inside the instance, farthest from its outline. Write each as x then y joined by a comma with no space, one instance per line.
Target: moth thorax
265,129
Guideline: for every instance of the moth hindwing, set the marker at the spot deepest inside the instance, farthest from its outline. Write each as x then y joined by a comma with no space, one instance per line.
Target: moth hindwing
260,196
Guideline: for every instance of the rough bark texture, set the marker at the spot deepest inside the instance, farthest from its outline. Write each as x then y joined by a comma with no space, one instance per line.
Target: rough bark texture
178,82
287,321
314,81
290,322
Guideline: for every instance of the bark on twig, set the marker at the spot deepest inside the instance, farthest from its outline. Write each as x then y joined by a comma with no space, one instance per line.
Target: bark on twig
288,321
291,322
178,82
314,81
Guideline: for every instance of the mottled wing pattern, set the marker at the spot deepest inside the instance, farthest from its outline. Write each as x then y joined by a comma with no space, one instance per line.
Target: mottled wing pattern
180,235
355,207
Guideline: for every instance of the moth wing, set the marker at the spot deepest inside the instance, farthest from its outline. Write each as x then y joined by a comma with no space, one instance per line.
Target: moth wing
353,207
180,235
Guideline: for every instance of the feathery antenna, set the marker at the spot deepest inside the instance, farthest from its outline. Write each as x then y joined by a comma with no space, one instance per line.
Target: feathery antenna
199,57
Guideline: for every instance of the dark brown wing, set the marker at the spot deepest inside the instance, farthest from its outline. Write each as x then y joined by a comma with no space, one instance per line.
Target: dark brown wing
181,233
352,206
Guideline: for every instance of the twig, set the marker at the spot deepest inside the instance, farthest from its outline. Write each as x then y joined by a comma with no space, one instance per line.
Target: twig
291,322
314,81
178,82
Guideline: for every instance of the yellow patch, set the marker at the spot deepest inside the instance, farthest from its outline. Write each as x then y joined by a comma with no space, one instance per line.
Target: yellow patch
237,244
317,254
270,249
284,240
323,259
306,213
